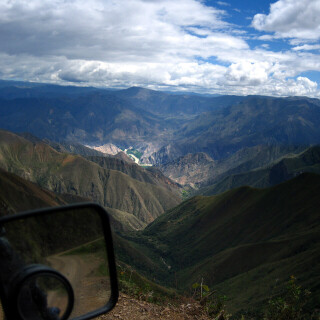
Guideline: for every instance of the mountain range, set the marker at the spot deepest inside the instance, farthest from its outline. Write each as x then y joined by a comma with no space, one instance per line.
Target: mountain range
247,168
244,243
162,126
252,122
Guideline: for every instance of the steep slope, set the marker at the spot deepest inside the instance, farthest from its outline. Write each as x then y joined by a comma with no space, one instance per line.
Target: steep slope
242,241
149,175
63,146
17,194
277,172
189,170
200,170
66,173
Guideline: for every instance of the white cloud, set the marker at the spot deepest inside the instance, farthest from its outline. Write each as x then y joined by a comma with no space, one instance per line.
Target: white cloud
302,86
247,74
291,19
307,47
105,30
266,37
221,3
157,44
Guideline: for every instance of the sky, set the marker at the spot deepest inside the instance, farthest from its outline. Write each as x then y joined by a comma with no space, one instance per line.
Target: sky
218,47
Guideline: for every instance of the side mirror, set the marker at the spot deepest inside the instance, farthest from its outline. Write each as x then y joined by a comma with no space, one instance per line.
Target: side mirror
57,264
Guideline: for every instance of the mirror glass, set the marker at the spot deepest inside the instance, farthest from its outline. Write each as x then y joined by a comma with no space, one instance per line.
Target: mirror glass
71,242
43,296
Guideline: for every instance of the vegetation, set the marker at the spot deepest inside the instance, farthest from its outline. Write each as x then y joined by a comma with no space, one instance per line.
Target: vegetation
66,173
132,283
282,170
213,303
135,152
238,241
185,194
94,247
291,304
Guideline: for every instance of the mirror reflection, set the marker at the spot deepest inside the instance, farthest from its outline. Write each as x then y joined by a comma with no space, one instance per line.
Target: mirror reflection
70,242
43,297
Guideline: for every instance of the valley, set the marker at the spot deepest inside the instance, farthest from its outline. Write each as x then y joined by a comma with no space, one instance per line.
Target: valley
215,189
243,238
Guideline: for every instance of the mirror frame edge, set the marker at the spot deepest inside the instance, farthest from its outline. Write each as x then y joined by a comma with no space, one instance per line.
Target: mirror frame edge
104,216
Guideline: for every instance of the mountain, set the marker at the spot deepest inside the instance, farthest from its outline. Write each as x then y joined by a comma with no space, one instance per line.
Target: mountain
17,194
108,148
163,103
199,170
73,174
94,118
272,174
64,146
73,147
22,89
149,175
189,170
241,242
162,126
252,122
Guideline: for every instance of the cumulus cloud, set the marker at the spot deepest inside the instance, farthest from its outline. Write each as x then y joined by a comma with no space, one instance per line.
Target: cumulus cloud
247,74
301,86
307,47
107,30
291,19
180,44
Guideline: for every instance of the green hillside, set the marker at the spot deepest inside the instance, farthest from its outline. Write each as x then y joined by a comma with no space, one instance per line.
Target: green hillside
17,194
284,169
73,174
150,175
241,242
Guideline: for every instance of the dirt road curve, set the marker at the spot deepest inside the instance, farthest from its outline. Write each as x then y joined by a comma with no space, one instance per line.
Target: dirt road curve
91,291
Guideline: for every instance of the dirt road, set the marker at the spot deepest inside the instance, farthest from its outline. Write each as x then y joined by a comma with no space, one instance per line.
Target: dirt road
91,290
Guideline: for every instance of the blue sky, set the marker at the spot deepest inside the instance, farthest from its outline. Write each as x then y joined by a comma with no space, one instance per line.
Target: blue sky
227,47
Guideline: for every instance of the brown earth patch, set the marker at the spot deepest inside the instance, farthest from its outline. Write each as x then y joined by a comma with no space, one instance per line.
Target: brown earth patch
134,309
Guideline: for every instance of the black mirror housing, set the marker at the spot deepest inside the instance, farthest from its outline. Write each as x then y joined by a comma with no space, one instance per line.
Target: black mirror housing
57,263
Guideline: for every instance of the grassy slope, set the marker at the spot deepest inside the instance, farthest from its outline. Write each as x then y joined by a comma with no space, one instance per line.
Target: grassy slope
65,173
282,170
148,175
241,241
17,194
